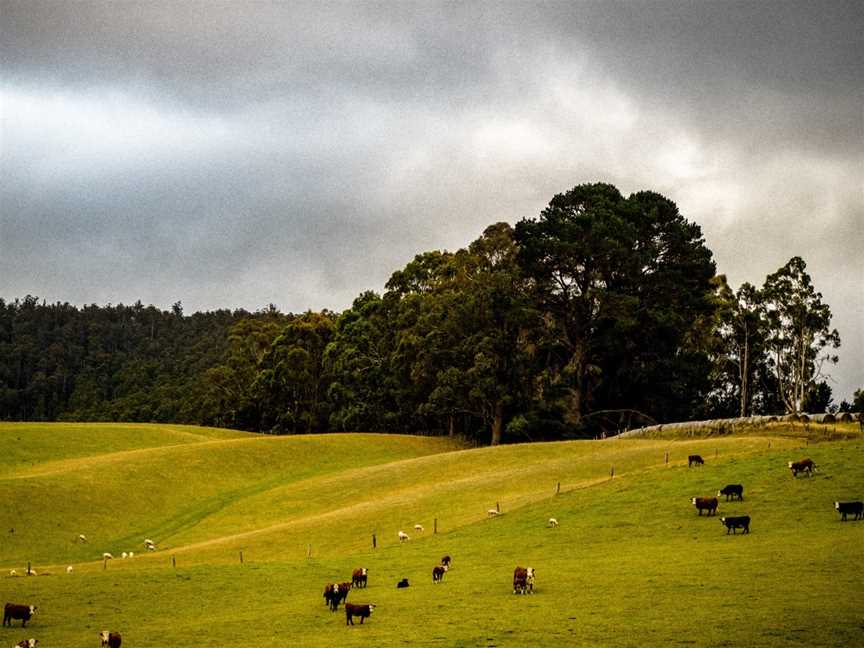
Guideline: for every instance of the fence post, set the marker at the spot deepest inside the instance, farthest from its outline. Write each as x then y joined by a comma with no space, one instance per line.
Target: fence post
498,506
309,551
558,491
667,457
374,542
174,561
612,472
241,557
435,526
28,567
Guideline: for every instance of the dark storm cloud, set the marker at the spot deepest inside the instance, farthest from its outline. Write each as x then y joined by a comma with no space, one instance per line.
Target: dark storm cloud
236,154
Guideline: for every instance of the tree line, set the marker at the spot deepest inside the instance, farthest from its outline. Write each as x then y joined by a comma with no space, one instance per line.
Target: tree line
601,313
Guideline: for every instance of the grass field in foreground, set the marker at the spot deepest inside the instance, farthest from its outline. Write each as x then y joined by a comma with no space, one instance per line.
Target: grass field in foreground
631,563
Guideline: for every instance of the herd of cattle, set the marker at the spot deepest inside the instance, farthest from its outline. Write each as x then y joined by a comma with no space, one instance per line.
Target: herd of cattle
523,577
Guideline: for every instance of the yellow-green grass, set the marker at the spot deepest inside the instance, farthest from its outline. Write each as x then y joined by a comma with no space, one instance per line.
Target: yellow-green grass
631,564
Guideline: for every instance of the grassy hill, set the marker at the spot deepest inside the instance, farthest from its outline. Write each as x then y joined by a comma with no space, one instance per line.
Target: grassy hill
631,563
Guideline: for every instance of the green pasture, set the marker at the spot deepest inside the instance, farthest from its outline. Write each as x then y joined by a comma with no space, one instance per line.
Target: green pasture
631,563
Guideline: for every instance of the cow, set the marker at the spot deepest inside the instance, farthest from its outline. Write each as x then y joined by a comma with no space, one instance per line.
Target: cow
332,596
445,560
14,611
27,643
709,503
733,491
523,580
362,611
358,578
805,465
110,639
438,572
695,459
850,508
732,523
402,584
344,588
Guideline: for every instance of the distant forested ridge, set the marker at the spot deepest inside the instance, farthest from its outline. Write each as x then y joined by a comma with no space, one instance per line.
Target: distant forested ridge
601,313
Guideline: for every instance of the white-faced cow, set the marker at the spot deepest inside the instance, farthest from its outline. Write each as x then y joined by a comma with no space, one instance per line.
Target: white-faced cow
110,639
27,643
850,508
705,503
732,523
733,491
359,577
803,466
523,580
363,611
445,560
438,572
14,611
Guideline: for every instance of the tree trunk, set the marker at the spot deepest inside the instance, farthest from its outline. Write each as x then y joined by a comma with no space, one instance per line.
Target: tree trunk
498,424
451,432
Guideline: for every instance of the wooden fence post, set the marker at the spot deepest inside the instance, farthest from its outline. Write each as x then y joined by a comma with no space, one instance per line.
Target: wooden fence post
309,551
241,557
612,472
374,542
174,561
435,526
667,457
498,506
558,491
28,568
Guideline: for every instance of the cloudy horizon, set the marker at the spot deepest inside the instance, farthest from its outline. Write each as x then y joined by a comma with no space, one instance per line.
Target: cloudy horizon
233,155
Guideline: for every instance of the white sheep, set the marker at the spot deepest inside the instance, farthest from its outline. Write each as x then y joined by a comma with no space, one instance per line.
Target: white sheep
151,547
124,555
32,572
403,536
148,542
69,569
418,527
553,522
82,538
131,554
12,572
493,512
107,556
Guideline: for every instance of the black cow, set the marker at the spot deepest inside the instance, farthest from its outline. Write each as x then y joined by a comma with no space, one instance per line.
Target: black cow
732,523
111,639
402,584
334,595
850,508
362,611
445,560
707,503
14,611
695,459
438,572
733,491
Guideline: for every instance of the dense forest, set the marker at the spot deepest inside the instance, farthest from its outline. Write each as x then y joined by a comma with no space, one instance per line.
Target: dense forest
603,312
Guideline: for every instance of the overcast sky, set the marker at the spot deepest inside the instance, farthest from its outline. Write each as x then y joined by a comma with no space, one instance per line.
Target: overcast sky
239,154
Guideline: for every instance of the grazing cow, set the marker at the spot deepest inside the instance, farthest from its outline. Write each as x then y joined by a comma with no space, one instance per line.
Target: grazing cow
523,580
402,584
553,522
27,643
403,536
110,639
850,508
445,560
709,503
695,459
732,523
438,572
14,611
733,491
358,578
805,465
362,611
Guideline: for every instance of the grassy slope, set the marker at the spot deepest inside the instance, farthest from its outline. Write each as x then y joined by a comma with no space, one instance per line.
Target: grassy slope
631,563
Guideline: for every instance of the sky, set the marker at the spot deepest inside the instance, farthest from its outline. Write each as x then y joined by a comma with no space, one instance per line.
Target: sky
234,155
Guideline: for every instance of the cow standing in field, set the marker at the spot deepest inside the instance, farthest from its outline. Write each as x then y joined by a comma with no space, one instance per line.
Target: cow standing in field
362,611
445,561
333,596
733,491
695,460
359,577
803,466
707,503
13,611
523,580
27,643
110,639
732,523
850,508
438,572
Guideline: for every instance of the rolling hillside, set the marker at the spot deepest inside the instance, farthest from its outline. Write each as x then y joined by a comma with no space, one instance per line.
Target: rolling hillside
630,564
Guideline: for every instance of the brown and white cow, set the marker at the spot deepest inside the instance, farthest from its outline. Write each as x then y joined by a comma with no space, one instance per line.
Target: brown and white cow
438,572
523,580
805,465
359,577
363,611
110,639
27,643
15,611
705,503
445,560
